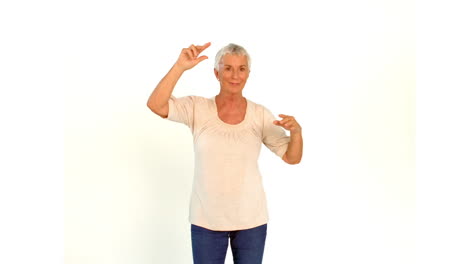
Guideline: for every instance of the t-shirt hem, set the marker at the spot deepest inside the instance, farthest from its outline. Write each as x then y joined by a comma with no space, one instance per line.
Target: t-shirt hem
230,228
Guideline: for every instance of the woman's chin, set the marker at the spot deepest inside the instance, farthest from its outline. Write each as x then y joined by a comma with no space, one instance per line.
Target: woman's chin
233,90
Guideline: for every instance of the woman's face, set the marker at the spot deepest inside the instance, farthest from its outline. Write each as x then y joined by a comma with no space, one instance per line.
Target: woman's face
233,73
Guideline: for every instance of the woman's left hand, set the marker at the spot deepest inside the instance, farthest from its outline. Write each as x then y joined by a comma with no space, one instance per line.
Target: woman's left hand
288,123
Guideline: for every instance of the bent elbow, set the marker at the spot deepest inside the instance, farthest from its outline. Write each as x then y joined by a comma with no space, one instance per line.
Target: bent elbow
160,111
291,161
294,162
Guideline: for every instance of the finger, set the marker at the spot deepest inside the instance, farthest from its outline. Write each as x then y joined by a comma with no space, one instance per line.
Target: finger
202,58
202,48
278,123
287,117
285,120
289,124
188,53
194,51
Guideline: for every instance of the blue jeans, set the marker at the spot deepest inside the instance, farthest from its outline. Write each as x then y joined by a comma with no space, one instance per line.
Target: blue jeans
210,247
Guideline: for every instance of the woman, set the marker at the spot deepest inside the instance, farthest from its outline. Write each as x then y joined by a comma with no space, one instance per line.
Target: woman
228,200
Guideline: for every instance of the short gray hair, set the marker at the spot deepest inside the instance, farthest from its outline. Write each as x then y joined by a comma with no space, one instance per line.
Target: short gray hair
233,49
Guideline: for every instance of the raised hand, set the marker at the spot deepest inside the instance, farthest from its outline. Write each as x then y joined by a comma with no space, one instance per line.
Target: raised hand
288,123
188,57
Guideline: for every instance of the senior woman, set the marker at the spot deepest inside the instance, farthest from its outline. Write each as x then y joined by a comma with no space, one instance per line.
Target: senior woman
228,201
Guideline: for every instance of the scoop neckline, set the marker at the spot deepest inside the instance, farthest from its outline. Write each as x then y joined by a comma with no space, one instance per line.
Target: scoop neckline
243,122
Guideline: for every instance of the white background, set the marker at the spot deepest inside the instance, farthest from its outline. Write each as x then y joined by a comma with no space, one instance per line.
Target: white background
345,70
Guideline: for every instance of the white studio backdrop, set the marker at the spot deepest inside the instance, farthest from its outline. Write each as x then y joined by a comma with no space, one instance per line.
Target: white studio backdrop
344,69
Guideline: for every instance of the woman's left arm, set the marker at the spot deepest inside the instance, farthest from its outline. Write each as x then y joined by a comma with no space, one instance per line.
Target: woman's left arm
293,154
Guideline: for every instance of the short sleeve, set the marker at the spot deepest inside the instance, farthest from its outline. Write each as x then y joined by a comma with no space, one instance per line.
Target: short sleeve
274,137
181,110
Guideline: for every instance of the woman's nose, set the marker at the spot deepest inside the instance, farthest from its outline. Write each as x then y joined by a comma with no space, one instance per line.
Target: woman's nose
235,74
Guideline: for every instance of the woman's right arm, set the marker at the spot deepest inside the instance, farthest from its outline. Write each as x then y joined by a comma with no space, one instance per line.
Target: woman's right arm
159,98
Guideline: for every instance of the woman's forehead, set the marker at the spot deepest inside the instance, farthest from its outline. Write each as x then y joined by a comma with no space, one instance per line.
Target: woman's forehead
233,59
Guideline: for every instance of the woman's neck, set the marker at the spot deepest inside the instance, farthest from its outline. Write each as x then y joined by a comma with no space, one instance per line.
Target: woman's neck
230,100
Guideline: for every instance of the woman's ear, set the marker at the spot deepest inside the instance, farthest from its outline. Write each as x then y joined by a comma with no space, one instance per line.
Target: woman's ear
216,72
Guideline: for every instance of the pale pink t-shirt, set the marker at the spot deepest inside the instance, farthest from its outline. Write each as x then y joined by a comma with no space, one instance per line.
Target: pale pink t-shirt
227,189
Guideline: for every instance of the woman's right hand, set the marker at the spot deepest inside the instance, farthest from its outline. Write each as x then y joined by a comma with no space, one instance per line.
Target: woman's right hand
188,57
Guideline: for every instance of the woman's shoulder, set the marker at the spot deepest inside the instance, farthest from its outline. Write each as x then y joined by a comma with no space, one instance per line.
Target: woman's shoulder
257,107
202,101
193,98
